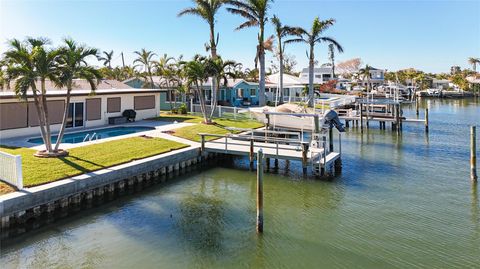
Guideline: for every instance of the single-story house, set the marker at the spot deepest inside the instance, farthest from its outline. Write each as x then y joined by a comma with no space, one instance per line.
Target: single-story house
19,117
292,86
236,92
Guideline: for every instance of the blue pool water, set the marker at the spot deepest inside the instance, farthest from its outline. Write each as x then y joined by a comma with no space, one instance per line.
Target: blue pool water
100,133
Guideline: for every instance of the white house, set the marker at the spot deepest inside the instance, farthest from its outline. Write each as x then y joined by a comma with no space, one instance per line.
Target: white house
292,86
377,78
19,118
320,74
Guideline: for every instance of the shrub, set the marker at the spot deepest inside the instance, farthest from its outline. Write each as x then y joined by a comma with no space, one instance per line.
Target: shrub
182,109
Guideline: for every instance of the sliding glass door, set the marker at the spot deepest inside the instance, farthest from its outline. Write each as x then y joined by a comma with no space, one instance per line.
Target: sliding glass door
75,115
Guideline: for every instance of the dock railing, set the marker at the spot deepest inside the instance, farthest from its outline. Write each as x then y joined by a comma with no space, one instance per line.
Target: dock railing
276,142
11,169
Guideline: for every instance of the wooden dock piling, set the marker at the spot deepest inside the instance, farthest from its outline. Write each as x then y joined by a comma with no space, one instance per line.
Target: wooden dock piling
202,146
416,107
473,154
330,139
260,191
304,158
251,154
426,120
361,118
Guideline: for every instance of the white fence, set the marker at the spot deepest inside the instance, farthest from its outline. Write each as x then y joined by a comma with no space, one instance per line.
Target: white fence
11,169
223,111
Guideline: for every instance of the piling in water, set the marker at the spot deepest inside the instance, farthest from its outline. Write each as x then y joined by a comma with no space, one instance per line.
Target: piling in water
426,120
260,191
473,153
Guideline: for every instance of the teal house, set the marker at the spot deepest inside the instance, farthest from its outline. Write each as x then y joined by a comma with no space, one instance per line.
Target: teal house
236,92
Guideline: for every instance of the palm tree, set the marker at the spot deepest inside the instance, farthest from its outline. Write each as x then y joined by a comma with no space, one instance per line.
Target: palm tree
165,68
311,38
474,61
107,59
145,60
207,10
364,74
331,55
73,65
196,74
218,70
30,62
281,31
255,13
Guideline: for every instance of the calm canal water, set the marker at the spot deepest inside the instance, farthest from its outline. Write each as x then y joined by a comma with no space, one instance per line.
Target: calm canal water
401,202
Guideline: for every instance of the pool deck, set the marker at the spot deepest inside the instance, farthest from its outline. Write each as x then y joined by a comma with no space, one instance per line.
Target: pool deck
160,128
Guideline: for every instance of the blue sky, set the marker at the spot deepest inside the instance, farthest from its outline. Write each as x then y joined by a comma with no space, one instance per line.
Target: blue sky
428,35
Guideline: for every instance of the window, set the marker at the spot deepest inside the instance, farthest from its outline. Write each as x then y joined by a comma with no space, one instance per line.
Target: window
253,92
318,76
240,92
144,102
94,109
114,104
170,96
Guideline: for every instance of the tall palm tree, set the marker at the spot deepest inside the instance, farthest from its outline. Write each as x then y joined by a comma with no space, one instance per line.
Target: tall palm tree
145,59
30,62
474,61
331,55
219,70
207,10
196,74
281,31
107,59
311,38
73,65
255,13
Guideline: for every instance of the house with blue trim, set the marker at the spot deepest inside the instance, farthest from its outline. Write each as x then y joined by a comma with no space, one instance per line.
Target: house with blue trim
236,92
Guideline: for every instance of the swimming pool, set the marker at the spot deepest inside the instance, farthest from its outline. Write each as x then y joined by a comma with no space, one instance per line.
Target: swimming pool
78,137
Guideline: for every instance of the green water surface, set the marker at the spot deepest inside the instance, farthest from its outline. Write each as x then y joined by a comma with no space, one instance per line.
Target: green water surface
400,202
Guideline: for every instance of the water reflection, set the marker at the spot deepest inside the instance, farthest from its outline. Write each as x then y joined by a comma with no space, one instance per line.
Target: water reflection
201,222
57,252
475,210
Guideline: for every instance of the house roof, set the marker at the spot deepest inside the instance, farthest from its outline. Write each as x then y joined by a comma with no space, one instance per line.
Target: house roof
80,84
83,92
231,82
288,80
327,70
474,79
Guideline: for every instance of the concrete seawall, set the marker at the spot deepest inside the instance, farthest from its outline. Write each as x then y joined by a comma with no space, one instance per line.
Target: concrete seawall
21,207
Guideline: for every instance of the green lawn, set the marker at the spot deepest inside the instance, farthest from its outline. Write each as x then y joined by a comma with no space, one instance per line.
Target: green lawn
191,132
85,159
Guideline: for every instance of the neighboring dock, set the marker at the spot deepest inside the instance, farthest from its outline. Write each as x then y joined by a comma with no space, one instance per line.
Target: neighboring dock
382,111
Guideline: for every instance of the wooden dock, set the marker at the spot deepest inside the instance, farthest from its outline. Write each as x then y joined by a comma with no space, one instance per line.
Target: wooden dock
321,160
382,111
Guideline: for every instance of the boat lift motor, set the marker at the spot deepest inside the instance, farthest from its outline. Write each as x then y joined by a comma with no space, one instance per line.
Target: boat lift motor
331,118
